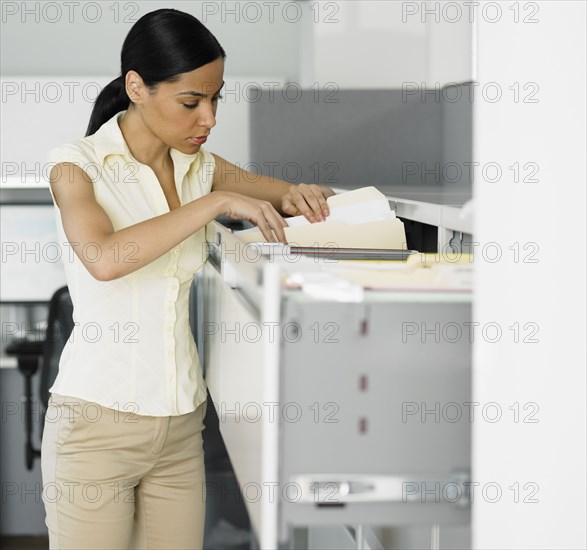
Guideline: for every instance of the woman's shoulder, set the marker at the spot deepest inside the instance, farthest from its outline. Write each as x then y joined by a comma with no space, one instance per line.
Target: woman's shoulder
78,152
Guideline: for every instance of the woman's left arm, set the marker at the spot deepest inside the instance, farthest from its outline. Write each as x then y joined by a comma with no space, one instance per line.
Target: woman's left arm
287,198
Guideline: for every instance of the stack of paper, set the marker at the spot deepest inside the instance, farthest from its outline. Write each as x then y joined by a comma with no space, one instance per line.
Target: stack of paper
358,219
419,272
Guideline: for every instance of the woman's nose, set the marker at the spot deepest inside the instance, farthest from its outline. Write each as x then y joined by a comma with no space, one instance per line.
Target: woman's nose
208,117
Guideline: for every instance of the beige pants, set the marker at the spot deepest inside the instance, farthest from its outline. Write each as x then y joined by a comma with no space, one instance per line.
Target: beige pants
114,479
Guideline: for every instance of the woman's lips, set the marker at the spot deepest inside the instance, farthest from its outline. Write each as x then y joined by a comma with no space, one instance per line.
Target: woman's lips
199,140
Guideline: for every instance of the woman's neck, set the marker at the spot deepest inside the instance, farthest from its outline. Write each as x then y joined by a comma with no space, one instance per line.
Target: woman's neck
144,146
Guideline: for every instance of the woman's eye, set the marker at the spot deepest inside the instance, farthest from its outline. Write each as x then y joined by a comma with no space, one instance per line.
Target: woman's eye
194,105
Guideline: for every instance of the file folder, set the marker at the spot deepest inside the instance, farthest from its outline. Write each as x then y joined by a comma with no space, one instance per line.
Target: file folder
358,219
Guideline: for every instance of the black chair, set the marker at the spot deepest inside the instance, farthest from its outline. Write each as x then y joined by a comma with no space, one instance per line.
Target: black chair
47,352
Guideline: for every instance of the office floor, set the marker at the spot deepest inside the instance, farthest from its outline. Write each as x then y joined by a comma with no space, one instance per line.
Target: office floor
30,543
42,543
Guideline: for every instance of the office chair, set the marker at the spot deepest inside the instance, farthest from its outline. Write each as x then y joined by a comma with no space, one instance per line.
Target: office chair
29,354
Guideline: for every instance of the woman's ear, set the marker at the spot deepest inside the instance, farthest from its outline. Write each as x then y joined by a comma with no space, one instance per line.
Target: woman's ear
135,87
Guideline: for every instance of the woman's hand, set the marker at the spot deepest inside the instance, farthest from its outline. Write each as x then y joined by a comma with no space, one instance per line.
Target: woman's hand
259,212
308,200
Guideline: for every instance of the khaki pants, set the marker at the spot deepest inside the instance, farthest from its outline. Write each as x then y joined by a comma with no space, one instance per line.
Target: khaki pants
115,479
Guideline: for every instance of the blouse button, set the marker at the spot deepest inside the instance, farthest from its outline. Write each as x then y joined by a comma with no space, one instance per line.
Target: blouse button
176,250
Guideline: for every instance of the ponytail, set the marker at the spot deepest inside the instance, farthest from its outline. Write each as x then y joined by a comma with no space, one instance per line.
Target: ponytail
160,46
111,100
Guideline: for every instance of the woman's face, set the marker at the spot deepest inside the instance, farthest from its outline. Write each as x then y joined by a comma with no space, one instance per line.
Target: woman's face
183,110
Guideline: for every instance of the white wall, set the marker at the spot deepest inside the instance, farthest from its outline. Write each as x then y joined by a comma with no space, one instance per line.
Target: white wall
51,55
38,114
44,112
353,43
385,44
47,38
547,456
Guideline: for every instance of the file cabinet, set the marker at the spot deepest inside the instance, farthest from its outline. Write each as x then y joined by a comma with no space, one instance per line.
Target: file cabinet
336,413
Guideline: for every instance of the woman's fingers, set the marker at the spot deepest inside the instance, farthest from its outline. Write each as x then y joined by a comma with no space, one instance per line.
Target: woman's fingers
276,222
264,215
266,230
310,202
271,224
289,207
305,206
323,205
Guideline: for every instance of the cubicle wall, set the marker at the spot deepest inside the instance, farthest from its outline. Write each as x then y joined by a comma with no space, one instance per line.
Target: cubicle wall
405,137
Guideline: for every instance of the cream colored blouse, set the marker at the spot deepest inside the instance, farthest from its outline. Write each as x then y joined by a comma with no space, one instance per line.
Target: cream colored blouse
131,347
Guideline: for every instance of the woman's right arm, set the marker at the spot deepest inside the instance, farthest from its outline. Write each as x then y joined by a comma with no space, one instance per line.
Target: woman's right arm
85,222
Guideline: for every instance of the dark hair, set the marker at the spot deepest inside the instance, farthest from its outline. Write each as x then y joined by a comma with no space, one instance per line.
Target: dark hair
160,46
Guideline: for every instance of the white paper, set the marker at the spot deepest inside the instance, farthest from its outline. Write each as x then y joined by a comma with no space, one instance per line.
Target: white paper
363,205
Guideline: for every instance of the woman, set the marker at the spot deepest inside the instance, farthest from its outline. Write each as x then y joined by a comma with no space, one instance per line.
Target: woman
122,458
